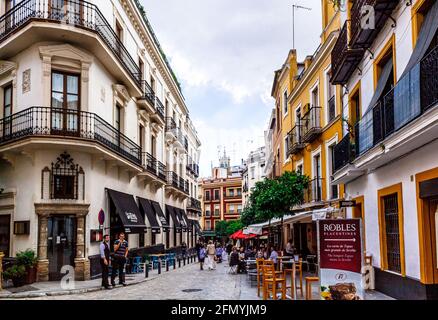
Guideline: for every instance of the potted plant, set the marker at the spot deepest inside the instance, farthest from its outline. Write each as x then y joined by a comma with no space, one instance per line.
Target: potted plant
17,274
29,260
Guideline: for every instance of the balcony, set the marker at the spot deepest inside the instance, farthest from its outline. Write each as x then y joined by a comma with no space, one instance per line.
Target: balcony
344,58
404,119
311,124
154,170
192,167
147,100
232,196
35,126
295,142
176,186
193,204
364,37
171,130
43,22
158,116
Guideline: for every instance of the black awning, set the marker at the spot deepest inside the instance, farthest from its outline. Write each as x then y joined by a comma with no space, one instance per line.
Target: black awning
128,212
172,212
164,223
180,215
197,226
185,219
147,211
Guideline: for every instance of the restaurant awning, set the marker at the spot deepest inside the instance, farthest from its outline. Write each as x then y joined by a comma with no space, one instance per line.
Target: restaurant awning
173,213
128,211
184,220
147,211
197,227
157,209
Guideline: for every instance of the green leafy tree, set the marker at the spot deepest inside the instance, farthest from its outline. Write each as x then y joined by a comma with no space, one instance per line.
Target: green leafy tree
234,226
274,198
221,228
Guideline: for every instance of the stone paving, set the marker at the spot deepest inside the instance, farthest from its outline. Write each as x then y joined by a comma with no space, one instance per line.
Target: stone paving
186,283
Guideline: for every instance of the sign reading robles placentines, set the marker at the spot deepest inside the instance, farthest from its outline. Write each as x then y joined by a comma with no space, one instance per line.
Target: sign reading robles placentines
340,258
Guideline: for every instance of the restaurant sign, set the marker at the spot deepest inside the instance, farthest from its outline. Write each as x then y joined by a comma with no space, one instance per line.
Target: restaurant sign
340,257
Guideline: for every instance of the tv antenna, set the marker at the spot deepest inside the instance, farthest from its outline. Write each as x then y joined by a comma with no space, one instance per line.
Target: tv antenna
294,6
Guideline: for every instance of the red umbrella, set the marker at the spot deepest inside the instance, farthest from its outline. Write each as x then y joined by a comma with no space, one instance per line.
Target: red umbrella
239,235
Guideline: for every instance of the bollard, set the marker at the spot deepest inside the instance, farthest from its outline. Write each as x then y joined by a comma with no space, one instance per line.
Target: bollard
174,263
1,269
167,265
159,266
146,269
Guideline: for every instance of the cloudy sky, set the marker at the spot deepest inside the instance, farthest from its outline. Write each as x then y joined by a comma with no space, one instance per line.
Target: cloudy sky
224,52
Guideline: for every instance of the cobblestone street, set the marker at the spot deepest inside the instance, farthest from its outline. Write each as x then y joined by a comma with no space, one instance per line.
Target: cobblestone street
187,283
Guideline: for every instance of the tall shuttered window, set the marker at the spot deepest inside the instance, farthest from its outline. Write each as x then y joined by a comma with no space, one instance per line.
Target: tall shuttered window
392,232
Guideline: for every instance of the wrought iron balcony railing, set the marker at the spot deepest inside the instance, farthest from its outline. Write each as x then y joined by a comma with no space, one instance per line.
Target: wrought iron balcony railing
172,179
152,165
295,141
344,153
171,126
344,58
311,124
42,121
194,204
159,108
313,193
78,13
413,95
148,92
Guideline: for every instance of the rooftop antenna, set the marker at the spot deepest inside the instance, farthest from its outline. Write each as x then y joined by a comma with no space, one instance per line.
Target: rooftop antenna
294,6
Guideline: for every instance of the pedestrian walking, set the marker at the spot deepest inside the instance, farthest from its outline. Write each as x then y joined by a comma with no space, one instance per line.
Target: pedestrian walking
120,255
105,261
201,256
211,253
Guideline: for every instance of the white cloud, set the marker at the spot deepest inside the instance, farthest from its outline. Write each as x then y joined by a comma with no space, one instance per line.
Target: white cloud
231,47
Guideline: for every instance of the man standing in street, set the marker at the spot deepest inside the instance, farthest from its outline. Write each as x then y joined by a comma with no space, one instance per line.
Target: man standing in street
105,260
120,255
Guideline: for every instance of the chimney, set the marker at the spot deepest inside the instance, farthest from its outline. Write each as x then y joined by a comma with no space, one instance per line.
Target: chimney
307,62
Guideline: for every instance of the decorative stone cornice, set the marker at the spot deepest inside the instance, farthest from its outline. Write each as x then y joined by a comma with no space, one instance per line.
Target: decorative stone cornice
7,66
122,92
45,209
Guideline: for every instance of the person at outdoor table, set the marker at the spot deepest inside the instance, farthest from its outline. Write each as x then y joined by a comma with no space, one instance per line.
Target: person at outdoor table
290,248
274,256
105,261
248,253
120,255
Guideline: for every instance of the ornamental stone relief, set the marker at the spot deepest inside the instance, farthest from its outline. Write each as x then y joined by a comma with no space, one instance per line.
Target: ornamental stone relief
26,81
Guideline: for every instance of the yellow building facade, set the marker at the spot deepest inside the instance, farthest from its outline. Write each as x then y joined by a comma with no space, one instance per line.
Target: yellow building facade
312,120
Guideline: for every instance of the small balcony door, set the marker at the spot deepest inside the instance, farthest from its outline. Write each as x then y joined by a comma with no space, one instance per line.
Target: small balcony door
9,16
7,111
65,104
68,11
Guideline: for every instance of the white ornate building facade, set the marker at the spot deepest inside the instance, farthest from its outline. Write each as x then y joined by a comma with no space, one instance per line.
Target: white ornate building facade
95,135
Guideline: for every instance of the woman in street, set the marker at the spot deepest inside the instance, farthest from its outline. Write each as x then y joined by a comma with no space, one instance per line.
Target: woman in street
211,253
201,256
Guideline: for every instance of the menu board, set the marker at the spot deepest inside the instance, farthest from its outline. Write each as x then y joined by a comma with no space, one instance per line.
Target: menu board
340,258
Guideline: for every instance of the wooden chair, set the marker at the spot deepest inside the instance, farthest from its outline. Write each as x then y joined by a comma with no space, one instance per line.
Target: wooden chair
290,271
299,268
259,267
271,279
309,281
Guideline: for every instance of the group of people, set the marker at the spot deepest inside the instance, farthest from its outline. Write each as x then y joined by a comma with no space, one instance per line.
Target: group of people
209,254
117,260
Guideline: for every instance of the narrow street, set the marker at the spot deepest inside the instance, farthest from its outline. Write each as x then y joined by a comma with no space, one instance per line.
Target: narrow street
187,283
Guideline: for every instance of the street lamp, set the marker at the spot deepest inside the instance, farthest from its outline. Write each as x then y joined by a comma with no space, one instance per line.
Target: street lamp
294,6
